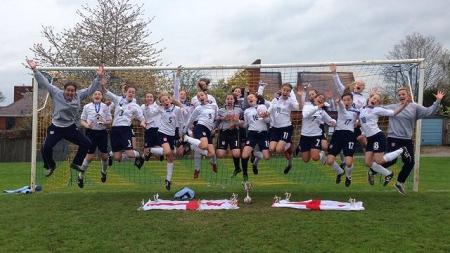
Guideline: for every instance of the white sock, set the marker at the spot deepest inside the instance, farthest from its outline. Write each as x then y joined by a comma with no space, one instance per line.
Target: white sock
85,164
380,169
337,168
287,146
169,171
192,141
199,150
136,153
197,160
321,155
104,165
392,155
157,151
213,160
348,171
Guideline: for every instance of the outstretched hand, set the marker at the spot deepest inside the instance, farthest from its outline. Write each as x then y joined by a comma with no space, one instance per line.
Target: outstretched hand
32,64
333,68
101,71
439,95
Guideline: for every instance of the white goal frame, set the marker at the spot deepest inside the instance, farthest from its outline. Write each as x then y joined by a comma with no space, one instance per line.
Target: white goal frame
419,99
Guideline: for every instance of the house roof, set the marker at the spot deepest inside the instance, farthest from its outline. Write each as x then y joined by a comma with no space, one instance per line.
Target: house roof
22,107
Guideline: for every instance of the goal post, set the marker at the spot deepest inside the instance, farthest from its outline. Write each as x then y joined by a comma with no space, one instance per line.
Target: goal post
223,77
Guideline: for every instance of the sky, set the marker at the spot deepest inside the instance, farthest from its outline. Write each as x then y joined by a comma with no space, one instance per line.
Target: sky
201,32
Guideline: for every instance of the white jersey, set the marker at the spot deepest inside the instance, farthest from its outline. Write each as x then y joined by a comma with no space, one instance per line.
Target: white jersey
359,101
205,115
313,116
369,119
195,102
125,111
152,115
253,121
281,109
346,118
96,113
170,119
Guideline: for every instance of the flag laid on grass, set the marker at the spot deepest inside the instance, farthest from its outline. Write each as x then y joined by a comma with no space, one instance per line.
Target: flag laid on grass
196,205
317,204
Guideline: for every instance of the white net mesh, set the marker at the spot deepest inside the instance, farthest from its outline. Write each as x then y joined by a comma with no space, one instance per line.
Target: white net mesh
223,79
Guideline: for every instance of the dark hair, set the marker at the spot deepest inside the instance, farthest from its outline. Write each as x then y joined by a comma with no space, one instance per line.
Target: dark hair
71,83
204,79
286,85
347,94
260,100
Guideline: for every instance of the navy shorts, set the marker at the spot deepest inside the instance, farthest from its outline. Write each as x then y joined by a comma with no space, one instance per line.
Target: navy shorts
260,138
323,137
164,138
376,143
121,138
200,131
99,139
342,140
242,136
228,138
151,137
309,142
281,134
357,131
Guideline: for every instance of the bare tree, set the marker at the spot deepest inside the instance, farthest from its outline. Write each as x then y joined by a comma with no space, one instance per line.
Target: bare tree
417,45
114,33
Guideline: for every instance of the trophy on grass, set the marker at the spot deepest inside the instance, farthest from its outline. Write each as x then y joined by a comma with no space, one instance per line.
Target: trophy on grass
247,188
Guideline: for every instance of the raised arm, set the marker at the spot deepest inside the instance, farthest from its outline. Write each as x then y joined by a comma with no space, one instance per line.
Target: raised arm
41,80
176,84
95,85
337,81
294,102
427,111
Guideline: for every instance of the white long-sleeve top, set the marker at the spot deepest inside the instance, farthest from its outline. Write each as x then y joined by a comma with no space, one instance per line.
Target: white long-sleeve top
346,118
170,119
125,111
96,113
281,109
312,118
205,115
253,121
369,119
152,115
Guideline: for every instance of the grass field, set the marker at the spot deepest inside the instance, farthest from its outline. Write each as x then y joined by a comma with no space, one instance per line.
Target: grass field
103,218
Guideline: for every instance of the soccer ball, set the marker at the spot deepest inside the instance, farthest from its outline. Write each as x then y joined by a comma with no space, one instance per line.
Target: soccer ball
261,109
247,200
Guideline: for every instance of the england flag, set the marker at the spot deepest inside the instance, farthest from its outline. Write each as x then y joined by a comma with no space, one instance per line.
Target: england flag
317,205
194,205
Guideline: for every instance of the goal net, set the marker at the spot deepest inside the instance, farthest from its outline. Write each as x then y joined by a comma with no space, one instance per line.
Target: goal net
383,75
